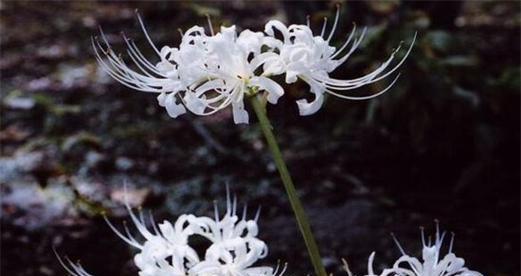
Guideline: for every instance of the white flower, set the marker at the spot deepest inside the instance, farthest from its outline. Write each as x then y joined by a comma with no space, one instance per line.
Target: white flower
432,264
230,74
166,251
208,73
212,72
309,57
235,246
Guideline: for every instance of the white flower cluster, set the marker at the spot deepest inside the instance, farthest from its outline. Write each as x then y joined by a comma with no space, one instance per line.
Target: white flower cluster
432,264
166,251
207,73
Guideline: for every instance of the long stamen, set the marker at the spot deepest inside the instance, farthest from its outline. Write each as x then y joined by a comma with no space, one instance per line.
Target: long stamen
228,200
135,50
366,97
348,40
123,74
398,244
353,47
134,59
257,214
451,241
244,211
346,267
67,267
146,33
138,57
334,24
234,205
437,222
341,82
323,27
422,230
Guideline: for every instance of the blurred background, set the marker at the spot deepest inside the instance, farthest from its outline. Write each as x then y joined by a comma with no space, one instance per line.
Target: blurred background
442,144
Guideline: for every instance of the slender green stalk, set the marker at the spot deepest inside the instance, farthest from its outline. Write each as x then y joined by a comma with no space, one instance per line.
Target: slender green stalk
298,210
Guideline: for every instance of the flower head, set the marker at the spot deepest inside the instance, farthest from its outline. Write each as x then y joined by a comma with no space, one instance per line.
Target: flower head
309,57
209,72
432,262
166,249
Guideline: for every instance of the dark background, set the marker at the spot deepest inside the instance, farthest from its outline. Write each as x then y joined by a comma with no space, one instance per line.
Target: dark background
443,144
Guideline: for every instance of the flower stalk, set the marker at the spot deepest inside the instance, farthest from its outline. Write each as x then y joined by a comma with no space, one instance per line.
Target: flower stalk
296,205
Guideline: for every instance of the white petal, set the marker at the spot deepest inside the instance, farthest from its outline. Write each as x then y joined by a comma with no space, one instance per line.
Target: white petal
291,76
306,108
194,104
229,33
161,99
275,24
172,107
274,90
250,42
240,115
273,67
370,269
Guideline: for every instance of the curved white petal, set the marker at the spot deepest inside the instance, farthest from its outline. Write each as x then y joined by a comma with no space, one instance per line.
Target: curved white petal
306,108
173,108
275,91
279,26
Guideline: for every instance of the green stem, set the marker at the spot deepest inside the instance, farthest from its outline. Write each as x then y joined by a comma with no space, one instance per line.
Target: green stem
298,210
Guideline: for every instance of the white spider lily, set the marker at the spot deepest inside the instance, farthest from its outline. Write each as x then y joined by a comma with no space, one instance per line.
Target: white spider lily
234,244
303,55
230,74
166,251
212,72
208,73
432,263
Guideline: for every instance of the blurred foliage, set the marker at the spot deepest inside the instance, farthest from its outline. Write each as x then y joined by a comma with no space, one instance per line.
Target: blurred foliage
443,143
